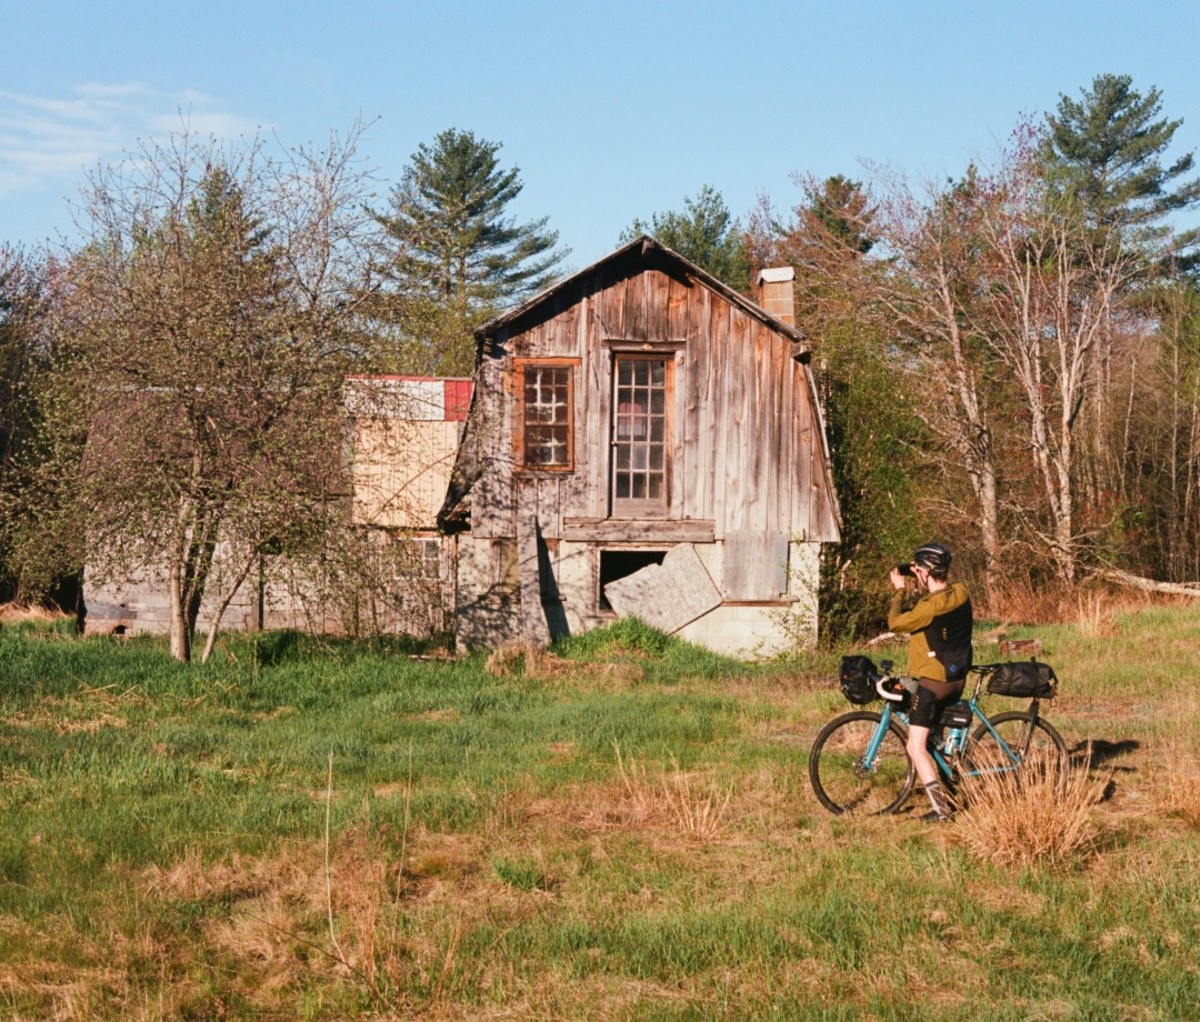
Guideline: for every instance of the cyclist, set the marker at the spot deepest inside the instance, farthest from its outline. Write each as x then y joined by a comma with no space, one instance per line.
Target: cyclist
939,653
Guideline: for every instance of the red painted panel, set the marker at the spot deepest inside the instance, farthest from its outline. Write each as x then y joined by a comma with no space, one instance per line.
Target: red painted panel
458,399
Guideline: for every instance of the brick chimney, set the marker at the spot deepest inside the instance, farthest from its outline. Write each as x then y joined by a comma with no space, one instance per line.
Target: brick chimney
775,293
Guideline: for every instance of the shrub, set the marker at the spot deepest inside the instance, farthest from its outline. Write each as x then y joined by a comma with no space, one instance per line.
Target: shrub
1040,816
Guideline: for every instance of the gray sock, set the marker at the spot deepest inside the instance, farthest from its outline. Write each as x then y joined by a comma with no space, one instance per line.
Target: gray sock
938,798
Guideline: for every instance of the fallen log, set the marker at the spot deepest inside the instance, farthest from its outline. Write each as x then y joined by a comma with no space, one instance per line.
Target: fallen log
879,640
1150,585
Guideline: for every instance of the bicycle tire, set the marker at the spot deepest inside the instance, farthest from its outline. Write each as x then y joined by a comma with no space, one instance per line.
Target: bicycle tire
836,772
1039,745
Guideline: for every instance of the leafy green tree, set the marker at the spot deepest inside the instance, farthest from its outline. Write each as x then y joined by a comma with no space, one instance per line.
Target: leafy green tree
202,337
22,358
1107,150
868,410
460,257
16,347
706,233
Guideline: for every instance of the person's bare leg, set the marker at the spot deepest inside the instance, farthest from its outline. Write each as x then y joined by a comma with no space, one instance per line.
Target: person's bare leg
918,752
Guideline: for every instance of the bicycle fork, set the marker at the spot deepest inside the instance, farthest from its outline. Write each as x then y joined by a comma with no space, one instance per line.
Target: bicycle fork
871,755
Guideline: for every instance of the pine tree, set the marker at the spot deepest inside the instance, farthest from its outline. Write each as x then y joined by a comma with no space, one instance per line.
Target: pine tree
461,258
1106,150
705,233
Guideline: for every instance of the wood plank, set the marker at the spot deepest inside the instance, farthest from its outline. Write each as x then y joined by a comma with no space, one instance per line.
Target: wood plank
564,340
679,479
805,519
716,405
753,424
637,300
574,500
610,308
549,508
638,530
666,596
738,380
785,447
533,617
826,529
491,498
601,394
761,472
701,465
658,306
678,294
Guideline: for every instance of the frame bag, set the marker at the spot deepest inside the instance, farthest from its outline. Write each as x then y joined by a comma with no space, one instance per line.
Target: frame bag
857,678
1024,680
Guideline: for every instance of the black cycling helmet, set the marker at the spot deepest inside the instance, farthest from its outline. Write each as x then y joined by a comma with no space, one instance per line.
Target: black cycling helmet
934,558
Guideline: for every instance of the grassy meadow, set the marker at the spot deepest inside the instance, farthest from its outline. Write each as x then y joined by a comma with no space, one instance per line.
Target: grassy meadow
620,828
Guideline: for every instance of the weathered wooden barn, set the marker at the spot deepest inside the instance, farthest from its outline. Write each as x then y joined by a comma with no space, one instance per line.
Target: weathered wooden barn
643,440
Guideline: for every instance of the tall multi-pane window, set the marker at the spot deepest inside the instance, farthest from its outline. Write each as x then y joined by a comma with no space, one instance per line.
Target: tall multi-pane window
546,412
640,435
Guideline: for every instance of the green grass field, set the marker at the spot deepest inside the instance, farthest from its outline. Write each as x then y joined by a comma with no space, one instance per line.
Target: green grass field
620,829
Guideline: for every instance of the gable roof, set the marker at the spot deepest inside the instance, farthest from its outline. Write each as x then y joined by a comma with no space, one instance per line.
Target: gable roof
645,249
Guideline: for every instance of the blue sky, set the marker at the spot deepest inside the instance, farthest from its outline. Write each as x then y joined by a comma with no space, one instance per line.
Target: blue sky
612,111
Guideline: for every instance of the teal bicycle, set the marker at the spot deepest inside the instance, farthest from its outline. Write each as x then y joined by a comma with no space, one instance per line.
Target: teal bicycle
858,762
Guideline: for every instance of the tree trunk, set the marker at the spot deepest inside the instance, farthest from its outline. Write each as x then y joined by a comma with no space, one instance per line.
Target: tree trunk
180,630
215,625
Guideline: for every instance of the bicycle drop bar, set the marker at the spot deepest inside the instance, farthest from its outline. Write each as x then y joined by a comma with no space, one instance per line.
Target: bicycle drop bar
891,697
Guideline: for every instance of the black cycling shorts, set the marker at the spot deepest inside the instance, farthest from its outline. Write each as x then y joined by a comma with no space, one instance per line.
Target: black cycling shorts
930,699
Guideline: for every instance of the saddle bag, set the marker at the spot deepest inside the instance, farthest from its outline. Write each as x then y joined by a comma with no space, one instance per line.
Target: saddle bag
956,715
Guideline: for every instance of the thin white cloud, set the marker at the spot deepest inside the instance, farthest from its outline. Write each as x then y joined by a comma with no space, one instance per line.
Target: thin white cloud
47,140
112,89
204,124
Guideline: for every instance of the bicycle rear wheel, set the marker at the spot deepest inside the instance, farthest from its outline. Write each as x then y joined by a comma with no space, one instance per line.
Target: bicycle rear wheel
1035,745
842,779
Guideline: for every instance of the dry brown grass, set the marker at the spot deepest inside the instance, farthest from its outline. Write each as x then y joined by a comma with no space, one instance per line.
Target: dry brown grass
528,660
294,915
1094,608
1042,816
533,662
1175,791
15,612
695,806
87,711
1179,799
1173,761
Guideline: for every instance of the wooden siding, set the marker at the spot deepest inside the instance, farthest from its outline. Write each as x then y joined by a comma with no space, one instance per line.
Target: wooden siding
746,449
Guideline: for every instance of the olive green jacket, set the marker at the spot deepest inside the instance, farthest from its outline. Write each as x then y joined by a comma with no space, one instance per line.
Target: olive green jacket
936,620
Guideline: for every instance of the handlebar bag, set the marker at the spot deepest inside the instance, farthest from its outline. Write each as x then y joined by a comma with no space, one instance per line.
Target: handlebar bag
857,678
1024,680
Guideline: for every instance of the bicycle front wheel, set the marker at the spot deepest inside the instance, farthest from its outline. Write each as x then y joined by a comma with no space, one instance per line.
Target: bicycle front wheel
1029,743
842,778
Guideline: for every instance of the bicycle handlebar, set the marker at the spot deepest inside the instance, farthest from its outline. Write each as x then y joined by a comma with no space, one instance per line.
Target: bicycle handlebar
890,696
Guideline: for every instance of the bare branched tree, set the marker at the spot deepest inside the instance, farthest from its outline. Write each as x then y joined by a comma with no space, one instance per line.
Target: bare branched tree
1053,300
924,286
1004,298
201,339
